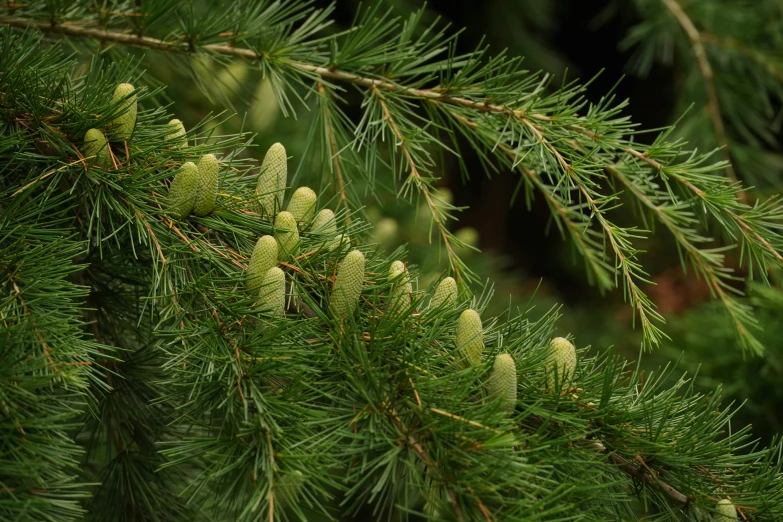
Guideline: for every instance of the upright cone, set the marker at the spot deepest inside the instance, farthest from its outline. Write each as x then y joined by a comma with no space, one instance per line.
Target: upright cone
503,381
272,180
271,295
125,120
726,512
400,296
347,285
96,149
302,204
263,258
561,360
470,338
206,195
325,223
177,136
445,294
287,236
182,193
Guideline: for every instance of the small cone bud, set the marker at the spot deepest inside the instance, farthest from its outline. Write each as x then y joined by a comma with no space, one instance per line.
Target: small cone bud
725,511
96,149
386,231
562,358
302,204
470,337
125,120
287,488
503,381
347,284
445,294
182,193
287,236
271,295
208,168
325,223
263,258
400,297
272,180
177,136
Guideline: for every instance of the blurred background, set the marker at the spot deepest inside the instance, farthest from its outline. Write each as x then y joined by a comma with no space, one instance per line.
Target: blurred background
640,50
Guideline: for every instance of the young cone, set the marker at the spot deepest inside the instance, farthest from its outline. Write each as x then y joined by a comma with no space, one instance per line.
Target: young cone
445,294
182,193
562,356
272,180
400,296
206,195
271,295
263,258
347,284
177,137
287,236
96,149
470,337
287,488
125,120
325,223
725,511
503,381
302,204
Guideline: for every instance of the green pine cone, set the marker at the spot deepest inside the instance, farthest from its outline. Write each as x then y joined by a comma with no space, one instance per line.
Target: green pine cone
725,511
182,193
562,355
325,223
470,337
347,284
208,168
302,204
125,120
96,149
400,297
263,258
503,381
271,295
287,488
177,136
445,294
272,180
287,236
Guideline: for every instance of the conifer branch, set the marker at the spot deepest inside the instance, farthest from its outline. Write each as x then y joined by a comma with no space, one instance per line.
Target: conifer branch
421,186
335,157
713,100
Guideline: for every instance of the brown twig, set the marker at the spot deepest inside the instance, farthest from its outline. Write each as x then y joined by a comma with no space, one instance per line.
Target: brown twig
713,100
414,172
335,158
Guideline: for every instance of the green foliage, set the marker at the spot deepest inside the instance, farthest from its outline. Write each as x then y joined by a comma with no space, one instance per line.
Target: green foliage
147,384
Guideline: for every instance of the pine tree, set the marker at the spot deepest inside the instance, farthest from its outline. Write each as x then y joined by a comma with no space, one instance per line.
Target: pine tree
141,380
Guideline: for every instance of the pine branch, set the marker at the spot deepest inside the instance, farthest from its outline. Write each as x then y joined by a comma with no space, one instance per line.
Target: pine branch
713,101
